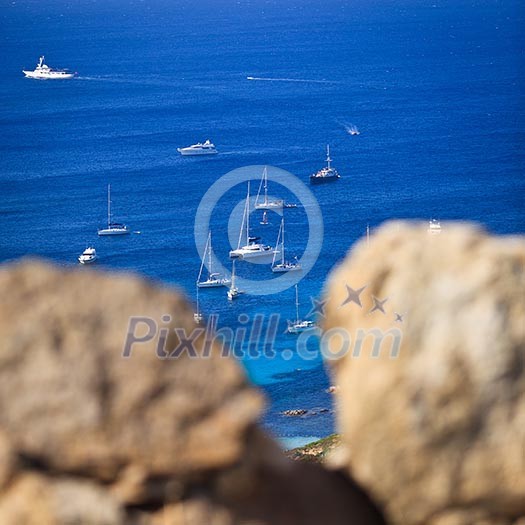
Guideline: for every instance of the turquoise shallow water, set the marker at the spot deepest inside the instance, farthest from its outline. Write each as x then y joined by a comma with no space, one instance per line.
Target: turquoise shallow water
435,88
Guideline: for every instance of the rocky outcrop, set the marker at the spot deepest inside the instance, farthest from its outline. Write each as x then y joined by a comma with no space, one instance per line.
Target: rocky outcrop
94,432
434,424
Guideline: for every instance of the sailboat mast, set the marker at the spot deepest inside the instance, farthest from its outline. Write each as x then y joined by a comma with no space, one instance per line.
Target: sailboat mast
367,235
248,215
296,304
265,177
282,241
209,256
109,205
233,275
328,159
203,257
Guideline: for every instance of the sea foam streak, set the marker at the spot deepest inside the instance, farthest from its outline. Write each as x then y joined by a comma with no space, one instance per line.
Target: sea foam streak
307,80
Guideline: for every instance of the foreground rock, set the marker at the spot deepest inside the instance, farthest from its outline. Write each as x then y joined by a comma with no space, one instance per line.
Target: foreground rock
436,434
90,437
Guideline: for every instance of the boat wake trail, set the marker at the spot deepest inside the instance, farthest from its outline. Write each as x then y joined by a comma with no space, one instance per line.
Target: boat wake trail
302,80
350,128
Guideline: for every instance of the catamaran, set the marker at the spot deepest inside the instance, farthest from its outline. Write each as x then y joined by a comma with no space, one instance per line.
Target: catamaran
233,291
253,248
113,228
326,174
267,204
299,325
284,265
88,256
44,72
214,279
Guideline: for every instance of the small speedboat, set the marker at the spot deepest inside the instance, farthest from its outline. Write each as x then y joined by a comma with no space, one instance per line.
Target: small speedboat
43,71
201,148
88,256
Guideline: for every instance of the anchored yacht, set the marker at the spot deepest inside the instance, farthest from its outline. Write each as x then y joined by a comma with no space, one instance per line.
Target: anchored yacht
206,148
113,228
88,256
43,71
253,248
214,279
267,204
284,265
299,325
326,174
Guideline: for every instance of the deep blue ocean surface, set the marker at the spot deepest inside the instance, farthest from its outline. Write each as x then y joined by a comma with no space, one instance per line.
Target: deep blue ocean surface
435,87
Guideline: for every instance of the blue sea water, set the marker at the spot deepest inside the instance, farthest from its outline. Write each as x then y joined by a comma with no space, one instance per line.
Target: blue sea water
435,87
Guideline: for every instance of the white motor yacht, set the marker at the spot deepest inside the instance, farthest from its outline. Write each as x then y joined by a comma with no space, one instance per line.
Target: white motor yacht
43,71
88,256
201,148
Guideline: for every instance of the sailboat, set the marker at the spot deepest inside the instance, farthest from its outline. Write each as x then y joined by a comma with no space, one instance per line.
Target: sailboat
214,280
233,291
113,227
298,326
197,316
267,204
253,248
284,265
264,220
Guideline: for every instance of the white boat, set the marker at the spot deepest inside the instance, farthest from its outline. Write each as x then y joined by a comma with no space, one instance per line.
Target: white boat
264,220
233,291
214,280
88,256
201,148
267,204
43,71
434,227
299,325
284,265
326,174
352,130
253,248
113,228
197,316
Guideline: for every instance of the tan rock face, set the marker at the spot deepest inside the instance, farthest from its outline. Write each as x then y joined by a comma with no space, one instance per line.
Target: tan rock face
88,436
441,426
63,334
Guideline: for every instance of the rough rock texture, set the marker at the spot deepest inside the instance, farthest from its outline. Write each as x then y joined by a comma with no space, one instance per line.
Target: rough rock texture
436,435
90,437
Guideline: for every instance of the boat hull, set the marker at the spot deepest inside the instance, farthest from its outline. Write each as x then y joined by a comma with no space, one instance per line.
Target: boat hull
270,206
195,153
279,268
113,231
213,284
91,260
49,76
322,180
